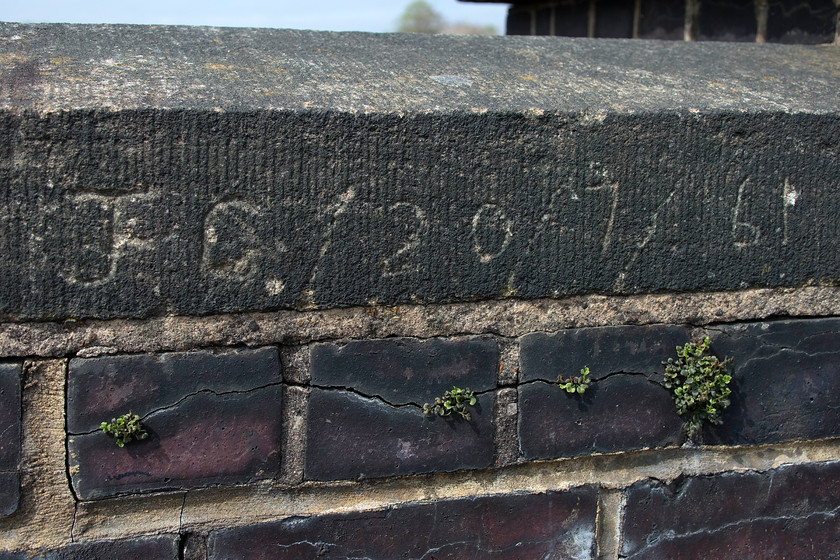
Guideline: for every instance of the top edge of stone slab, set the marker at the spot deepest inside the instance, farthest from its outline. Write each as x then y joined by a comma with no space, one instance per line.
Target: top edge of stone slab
59,67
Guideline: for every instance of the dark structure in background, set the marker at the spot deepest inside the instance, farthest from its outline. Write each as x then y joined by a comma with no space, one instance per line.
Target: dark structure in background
779,21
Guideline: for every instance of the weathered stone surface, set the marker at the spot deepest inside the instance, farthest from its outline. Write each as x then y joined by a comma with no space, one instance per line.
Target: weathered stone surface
10,437
160,547
605,350
441,177
790,512
349,436
620,413
205,439
786,381
102,388
406,370
553,525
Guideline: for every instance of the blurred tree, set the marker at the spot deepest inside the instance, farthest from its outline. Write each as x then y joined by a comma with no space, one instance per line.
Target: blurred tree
420,17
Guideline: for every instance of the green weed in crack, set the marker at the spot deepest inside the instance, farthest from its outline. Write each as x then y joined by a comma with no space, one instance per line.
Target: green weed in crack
699,385
575,384
454,400
124,428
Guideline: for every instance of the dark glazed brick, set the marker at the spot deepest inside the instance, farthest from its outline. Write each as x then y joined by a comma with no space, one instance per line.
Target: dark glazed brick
606,350
349,436
811,538
100,388
406,370
555,525
790,512
786,381
10,434
161,547
620,413
9,492
206,439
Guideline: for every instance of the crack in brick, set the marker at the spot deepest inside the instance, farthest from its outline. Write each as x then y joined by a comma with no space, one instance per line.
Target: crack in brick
671,535
595,381
183,399
380,398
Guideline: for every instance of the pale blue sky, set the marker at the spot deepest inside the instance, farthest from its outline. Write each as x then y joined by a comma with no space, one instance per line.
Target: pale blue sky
330,15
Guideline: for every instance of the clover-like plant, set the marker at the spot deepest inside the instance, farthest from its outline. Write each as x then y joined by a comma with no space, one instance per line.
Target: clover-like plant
699,385
575,384
124,428
455,400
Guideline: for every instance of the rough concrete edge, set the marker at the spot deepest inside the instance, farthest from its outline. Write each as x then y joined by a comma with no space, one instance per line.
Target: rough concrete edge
608,523
296,361
158,513
506,318
509,362
293,455
45,516
217,507
505,424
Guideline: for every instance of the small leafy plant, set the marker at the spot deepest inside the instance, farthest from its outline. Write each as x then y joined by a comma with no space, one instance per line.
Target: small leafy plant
125,428
576,384
699,385
455,400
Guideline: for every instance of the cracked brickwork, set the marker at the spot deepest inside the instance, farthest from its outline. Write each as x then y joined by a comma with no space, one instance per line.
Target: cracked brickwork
275,258
772,514
211,419
554,525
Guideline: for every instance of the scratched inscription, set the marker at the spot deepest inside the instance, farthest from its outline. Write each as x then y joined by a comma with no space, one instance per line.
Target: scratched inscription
320,217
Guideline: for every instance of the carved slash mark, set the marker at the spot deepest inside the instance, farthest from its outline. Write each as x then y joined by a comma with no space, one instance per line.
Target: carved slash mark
336,209
649,232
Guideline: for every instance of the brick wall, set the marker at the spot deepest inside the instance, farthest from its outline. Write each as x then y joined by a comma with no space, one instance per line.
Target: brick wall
277,287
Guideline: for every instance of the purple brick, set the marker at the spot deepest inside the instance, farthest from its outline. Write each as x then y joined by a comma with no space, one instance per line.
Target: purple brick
620,413
789,512
786,381
554,525
349,437
206,439
10,434
9,492
160,547
605,350
406,370
101,388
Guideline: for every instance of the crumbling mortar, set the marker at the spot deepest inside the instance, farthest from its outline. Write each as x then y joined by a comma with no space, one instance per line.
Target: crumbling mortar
610,471
286,327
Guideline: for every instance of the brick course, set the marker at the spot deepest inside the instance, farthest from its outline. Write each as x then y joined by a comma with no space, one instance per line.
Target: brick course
554,525
787,512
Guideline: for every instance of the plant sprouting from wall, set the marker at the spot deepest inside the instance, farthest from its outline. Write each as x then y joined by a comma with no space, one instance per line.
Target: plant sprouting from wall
454,400
576,384
124,428
699,385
